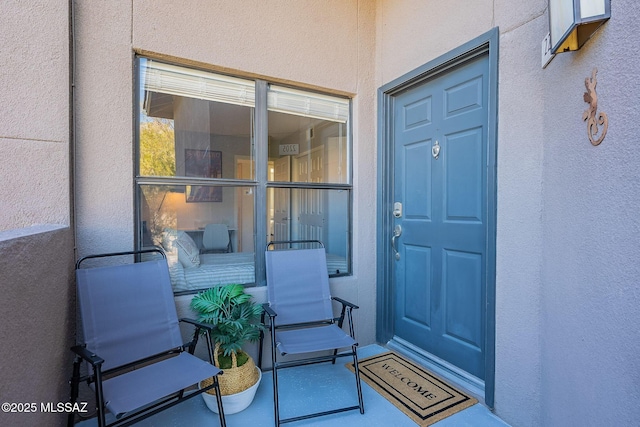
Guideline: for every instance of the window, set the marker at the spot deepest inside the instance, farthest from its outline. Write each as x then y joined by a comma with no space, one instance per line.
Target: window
225,165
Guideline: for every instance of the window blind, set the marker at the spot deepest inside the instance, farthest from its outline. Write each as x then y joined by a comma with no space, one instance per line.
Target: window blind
307,104
172,80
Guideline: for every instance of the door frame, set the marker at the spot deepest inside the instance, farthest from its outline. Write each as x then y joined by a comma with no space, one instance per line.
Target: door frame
486,43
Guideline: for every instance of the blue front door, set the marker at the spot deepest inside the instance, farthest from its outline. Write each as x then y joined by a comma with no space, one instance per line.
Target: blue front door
440,215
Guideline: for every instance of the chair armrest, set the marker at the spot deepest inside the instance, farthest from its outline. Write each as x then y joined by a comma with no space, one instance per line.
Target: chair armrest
199,328
267,309
87,355
197,324
345,303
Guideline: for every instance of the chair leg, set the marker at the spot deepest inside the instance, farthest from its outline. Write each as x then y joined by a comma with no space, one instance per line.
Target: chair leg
216,386
261,342
99,397
216,383
356,368
75,383
357,375
274,372
210,347
276,407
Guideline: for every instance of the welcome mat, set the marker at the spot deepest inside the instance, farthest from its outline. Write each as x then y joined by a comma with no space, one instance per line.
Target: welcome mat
416,392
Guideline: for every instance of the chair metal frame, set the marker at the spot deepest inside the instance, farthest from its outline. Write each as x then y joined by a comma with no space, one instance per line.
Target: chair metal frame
98,375
346,311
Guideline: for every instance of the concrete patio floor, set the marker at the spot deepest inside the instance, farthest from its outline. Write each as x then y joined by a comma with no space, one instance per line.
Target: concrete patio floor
309,389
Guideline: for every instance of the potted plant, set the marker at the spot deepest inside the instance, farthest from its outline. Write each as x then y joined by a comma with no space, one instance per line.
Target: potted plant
236,319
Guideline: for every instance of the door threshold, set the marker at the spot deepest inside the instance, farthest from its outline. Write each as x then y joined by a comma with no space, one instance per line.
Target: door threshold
446,370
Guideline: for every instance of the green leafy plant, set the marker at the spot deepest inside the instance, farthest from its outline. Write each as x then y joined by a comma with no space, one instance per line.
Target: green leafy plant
234,315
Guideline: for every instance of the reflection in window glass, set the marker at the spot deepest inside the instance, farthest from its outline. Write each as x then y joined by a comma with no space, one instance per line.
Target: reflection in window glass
194,123
307,136
207,232
312,214
304,149
198,194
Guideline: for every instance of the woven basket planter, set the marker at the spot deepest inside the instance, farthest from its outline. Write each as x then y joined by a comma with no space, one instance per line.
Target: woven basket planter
238,385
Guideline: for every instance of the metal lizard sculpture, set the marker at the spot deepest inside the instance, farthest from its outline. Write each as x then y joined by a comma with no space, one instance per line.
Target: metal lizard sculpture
590,115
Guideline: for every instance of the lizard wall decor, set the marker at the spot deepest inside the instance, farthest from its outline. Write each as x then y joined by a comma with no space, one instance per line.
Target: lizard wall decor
594,120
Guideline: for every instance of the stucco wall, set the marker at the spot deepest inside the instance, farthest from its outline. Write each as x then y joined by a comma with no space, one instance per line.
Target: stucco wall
567,227
327,45
104,126
591,306
34,118
410,33
36,261
38,320
519,227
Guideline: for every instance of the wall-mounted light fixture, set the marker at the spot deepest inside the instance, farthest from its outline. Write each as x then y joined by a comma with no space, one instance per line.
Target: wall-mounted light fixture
573,22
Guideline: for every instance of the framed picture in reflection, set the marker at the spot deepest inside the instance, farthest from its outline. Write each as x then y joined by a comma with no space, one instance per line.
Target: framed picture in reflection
203,164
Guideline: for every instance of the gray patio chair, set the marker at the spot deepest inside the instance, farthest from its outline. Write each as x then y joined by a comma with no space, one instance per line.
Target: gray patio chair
137,362
301,318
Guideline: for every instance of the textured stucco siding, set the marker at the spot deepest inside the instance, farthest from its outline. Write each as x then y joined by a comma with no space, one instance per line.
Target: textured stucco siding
36,258
327,45
590,338
34,113
38,320
519,228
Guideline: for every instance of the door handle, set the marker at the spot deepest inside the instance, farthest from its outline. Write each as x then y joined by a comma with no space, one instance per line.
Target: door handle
397,232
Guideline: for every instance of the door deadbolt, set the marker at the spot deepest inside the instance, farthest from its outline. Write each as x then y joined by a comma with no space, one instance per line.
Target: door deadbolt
397,209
